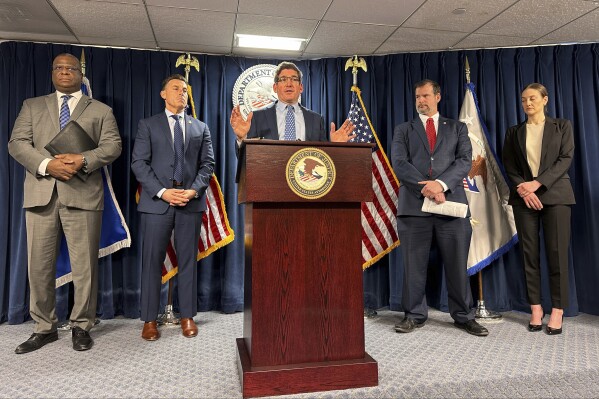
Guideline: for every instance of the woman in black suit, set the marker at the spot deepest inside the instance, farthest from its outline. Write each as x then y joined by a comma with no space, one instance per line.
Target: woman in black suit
537,155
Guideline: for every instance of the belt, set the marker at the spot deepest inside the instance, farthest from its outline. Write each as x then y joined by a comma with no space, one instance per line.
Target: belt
177,184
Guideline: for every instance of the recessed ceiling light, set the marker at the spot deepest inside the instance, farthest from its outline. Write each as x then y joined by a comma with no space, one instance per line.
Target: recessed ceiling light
459,11
270,42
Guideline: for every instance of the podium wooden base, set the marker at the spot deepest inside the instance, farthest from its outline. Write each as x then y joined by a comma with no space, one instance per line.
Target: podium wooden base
303,377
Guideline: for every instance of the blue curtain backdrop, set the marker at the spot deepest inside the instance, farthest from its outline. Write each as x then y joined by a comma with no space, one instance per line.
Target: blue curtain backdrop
129,82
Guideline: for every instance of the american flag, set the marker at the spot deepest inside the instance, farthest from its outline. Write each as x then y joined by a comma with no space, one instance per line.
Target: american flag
379,226
215,232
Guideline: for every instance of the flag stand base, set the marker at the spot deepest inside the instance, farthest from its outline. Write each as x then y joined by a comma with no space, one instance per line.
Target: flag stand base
483,313
169,317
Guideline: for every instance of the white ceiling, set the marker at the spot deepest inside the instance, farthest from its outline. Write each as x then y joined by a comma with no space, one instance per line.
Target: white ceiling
331,27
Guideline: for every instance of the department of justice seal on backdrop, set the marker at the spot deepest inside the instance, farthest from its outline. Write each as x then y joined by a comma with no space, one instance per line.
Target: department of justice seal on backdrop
310,173
253,88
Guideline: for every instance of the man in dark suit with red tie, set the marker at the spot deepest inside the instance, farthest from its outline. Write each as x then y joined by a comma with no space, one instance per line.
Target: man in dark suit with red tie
173,161
431,155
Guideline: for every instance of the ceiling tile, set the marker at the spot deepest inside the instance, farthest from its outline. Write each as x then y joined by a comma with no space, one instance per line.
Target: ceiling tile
117,42
386,12
580,30
338,38
410,39
275,26
30,17
535,18
307,9
212,5
192,26
194,48
437,14
112,20
478,40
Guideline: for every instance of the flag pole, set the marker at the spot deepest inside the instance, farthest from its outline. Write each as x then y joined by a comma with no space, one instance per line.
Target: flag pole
355,63
169,317
481,310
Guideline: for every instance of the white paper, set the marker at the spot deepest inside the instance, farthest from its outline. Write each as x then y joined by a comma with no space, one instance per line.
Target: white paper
448,208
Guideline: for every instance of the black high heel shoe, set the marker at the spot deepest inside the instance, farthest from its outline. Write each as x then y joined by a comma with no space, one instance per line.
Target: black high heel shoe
554,331
536,327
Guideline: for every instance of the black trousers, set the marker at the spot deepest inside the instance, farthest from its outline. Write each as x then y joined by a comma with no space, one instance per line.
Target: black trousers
555,220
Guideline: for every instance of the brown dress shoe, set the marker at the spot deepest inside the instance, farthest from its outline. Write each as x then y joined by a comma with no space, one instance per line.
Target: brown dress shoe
150,331
189,327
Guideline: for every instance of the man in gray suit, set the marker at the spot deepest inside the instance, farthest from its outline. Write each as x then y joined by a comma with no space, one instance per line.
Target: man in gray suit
431,155
173,161
287,119
56,201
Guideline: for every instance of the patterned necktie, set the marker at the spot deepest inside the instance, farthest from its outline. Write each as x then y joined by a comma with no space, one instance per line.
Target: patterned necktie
290,123
431,135
179,145
65,113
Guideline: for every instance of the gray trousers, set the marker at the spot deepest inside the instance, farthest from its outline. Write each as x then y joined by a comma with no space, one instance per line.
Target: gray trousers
81,229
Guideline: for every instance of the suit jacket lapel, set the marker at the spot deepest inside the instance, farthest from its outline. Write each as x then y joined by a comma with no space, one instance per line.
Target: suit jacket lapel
521,140
441,132
165,127
52,103
84,101
271,121
308,124
549,134
419,128
187,122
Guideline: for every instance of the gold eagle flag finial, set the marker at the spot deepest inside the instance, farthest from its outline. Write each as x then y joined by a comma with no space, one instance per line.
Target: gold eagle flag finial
354,63
189,61
82,62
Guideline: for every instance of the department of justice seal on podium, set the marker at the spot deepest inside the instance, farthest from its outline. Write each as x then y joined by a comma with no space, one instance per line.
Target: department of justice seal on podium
310,173
253,88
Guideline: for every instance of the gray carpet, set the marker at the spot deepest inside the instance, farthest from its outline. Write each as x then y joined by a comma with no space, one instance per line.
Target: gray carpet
436,361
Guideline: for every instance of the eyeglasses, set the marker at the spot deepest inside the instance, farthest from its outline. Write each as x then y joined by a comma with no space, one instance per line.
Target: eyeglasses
59,68
292,79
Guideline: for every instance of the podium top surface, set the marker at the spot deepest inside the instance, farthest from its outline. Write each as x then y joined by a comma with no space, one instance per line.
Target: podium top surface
299,143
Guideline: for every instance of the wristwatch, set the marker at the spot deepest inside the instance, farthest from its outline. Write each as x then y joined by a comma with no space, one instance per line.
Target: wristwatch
197,195
84,163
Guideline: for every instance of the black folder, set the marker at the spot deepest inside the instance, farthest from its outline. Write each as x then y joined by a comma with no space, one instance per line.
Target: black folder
72,139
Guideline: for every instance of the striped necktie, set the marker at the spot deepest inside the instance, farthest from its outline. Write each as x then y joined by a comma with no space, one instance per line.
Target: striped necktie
179,149
65,113
290,123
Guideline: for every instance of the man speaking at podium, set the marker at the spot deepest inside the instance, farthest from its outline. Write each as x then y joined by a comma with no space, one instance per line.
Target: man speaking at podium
287,119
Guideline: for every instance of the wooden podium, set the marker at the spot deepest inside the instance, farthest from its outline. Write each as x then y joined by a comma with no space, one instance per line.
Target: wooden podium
303,325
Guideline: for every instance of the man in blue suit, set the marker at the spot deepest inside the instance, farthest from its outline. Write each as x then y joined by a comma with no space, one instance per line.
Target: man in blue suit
173,161
287,119
431,155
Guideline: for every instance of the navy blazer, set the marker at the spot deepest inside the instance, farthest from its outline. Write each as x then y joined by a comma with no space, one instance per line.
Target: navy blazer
412,159
153,162
557,150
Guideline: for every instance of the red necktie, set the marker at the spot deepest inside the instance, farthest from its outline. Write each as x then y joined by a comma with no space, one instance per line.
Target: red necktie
430,133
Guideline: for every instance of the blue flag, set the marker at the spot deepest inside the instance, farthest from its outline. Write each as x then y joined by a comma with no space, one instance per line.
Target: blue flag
492,219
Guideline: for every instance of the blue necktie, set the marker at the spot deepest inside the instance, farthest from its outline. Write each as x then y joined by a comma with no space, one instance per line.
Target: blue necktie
65,113
290,123
179,146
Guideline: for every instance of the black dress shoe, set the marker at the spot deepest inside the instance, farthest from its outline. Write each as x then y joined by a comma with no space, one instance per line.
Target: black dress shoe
472,327
554,331
36,341
534,327
82,341
407,325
